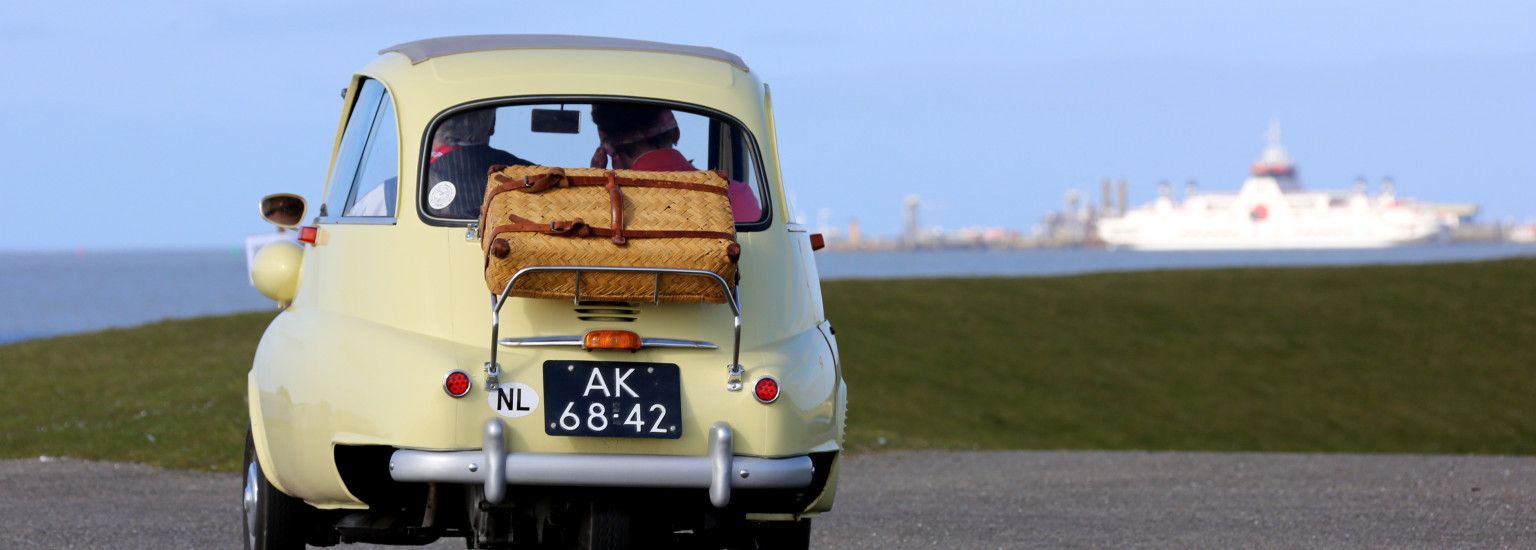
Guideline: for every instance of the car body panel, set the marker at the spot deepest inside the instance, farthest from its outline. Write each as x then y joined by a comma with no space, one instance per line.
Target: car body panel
385,310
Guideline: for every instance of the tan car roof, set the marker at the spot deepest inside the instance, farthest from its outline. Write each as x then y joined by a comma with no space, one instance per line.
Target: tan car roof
422,50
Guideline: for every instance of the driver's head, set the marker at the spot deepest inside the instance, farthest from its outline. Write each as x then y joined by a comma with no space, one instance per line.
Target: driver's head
467,128
623,126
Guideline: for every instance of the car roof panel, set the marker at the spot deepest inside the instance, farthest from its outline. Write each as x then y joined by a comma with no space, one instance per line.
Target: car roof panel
423,50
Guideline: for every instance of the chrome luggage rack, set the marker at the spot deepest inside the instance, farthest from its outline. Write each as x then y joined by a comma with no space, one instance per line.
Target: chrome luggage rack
733,371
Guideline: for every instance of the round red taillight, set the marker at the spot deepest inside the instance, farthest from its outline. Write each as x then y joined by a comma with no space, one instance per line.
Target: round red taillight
766,389
456,384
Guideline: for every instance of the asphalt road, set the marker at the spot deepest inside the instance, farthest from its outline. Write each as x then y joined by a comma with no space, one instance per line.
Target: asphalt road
934,500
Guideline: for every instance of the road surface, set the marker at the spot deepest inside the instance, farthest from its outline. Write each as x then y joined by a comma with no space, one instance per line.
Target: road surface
928,499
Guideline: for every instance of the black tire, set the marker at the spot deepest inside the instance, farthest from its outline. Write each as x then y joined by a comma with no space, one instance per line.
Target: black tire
271,519
782,535
605,526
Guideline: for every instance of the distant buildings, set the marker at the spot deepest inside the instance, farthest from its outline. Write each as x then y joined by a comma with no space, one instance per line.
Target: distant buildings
916,237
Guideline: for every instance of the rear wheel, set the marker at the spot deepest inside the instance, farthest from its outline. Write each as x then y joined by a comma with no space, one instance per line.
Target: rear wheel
273,520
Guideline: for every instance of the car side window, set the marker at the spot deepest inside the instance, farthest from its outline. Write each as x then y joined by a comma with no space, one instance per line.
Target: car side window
354,141
734,156
373,193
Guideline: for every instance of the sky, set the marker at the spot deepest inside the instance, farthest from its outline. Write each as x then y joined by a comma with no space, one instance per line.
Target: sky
158,124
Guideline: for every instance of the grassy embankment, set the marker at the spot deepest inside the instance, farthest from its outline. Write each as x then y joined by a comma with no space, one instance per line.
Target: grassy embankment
1434,359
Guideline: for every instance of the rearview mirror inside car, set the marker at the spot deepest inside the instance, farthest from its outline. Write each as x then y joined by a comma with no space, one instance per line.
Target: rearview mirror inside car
283,209
556,121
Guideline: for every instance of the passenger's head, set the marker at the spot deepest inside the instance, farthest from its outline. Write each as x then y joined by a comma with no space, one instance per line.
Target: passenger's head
467,128
626,129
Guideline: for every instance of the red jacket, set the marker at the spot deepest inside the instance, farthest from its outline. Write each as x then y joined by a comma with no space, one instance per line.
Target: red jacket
743,203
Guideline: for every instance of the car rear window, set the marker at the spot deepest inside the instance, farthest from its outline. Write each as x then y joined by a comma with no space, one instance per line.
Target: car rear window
462,146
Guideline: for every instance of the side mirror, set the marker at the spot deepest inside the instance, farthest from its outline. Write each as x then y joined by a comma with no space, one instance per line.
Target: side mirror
284,210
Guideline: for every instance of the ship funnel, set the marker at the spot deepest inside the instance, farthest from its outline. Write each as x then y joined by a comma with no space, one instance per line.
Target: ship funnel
1275,162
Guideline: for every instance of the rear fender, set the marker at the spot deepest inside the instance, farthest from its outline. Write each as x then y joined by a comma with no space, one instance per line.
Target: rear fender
805,416
259,433
321,379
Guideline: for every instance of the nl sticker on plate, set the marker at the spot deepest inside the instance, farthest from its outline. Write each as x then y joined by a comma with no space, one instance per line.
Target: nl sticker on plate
513,400
441,195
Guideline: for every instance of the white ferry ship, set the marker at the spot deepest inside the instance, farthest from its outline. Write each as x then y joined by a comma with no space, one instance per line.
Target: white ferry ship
1272,211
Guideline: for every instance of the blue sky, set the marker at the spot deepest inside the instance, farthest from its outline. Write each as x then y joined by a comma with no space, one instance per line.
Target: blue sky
159,124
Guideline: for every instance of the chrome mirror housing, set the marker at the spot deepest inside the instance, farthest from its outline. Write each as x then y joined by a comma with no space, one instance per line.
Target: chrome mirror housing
284,210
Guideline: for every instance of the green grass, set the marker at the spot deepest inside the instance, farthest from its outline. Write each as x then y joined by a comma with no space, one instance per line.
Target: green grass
1433,359
1429,359
169,394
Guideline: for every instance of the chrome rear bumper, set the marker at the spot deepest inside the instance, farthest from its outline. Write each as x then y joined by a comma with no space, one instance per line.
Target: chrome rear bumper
719,472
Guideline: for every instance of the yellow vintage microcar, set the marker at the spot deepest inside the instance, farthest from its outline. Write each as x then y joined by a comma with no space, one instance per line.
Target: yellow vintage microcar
397,399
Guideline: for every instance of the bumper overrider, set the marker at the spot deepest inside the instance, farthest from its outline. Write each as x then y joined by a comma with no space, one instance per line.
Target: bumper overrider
720,471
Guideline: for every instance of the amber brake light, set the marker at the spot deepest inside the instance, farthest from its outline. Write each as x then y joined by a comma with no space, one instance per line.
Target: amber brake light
611,339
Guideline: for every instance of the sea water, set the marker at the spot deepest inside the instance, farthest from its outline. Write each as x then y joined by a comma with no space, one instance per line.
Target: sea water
51,293
48,293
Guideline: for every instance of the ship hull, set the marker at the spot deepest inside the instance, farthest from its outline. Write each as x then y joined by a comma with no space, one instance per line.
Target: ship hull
1270,215
1272,212
1155,236
1188,245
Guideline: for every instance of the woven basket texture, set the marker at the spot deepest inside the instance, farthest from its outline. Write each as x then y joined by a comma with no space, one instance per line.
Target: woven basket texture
644,209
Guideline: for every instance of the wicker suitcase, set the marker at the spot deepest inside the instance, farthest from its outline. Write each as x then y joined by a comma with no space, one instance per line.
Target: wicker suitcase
542,216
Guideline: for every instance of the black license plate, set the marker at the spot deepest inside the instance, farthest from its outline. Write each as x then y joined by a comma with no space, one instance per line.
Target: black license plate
612,399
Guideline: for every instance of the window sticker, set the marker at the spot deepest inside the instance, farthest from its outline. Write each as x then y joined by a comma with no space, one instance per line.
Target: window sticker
441,195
